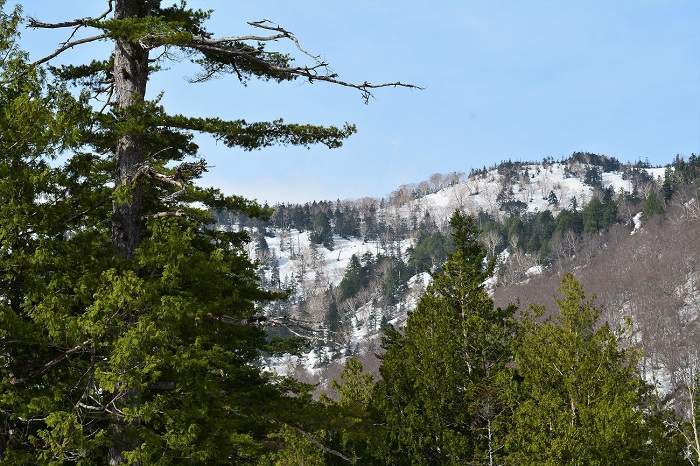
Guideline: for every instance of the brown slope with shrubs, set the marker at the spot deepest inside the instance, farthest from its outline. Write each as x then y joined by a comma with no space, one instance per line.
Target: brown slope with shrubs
651,277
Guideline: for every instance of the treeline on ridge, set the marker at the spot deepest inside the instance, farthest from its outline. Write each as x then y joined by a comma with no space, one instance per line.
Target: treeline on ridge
410,244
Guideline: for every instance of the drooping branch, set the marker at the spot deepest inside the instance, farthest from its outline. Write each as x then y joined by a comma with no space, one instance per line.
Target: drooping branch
263,24
232,52
310,73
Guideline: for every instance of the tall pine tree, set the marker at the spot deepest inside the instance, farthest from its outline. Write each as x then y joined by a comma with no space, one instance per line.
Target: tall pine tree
132,329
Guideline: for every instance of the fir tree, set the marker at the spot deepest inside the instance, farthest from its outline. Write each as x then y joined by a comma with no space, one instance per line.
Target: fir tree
583,401
440,397
652,206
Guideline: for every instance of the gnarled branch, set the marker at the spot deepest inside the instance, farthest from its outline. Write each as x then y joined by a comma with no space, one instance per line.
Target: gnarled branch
285,322
35,24
183,172
310,73
67,46
176,213
148,172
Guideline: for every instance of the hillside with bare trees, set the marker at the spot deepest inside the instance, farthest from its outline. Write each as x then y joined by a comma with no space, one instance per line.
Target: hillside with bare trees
629,232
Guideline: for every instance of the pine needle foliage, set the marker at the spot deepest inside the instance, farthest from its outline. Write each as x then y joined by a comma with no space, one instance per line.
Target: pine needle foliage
582,399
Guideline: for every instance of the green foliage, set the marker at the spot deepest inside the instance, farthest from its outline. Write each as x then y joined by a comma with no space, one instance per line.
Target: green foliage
582,400
343,429
652,206
357,275
150,358
322,232
354,394
355,386
686,171
395,277
251,136
291,449
49,217
569,220
600,213
439,397
593,177
607,164
158,30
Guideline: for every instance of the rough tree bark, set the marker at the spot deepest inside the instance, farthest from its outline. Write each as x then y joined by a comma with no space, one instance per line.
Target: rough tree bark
130,77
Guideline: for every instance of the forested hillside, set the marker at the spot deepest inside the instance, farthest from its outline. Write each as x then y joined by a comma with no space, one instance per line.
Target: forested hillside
630,233
354,266
147,320
636,250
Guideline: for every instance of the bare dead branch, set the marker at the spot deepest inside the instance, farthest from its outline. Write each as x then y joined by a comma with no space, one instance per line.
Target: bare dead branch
108,100
35,24
318,443
50,364
310,73
287,323
67,46
183,172
263,25
148,172
176,213
319,71
173,196
243,38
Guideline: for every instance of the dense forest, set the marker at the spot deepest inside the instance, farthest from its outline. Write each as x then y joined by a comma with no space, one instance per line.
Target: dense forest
142,315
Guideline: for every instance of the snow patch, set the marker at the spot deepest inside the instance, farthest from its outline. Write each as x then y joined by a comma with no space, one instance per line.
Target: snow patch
637,220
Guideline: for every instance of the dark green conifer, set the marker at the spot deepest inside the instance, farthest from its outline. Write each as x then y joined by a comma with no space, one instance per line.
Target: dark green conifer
131,329
440,399
582,400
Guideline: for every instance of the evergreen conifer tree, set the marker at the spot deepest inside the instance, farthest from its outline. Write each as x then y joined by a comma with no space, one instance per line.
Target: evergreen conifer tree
440,399
132,330
583,401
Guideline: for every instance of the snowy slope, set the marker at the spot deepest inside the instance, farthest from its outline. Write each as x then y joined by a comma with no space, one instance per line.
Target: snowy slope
314,268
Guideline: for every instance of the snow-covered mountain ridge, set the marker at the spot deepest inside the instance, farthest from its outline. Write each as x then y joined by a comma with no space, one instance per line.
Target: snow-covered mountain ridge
292,258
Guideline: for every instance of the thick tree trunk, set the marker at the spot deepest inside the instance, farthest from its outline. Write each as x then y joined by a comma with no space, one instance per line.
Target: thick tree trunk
130,77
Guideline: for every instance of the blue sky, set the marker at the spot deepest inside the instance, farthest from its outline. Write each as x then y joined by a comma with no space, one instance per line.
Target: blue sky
517,80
